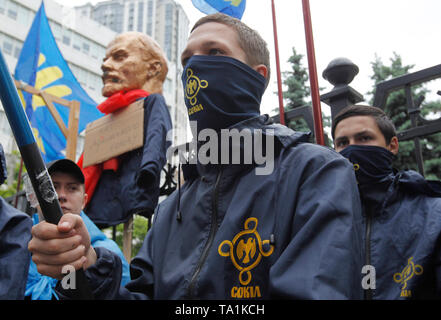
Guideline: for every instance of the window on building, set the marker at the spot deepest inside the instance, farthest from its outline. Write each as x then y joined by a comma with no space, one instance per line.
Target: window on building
140,15
12,14
66,40
168,86
86,48
149,19
131,16
17,51
24,16
168,31
12,9
7,47
56,30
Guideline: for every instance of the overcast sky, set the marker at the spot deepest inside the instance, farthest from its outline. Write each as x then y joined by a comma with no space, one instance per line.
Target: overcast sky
355,29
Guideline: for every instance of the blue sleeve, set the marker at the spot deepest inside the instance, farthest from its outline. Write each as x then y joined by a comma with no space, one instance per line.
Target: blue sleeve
105,275
15,233
99,239
158,124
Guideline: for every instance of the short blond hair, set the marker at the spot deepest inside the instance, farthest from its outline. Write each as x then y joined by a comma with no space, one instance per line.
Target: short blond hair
250,41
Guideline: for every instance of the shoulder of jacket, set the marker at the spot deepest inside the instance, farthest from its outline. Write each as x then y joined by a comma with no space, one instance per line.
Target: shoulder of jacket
308,150
154,98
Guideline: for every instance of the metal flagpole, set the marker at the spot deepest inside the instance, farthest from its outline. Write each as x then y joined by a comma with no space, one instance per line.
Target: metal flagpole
315,96
279,79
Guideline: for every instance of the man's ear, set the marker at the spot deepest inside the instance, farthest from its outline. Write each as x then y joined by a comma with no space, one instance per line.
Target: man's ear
84,201
262,69
154,68
393,145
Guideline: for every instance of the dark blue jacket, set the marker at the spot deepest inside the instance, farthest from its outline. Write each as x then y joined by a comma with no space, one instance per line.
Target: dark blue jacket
402,235
294,233
15,233
134,188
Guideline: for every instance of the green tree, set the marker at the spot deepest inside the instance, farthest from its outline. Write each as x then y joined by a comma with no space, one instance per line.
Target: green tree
140,228
297,90
9,188
296,81
298,93
396,109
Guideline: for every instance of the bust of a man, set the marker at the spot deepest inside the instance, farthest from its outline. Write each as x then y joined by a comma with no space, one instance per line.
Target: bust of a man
133,61
134,68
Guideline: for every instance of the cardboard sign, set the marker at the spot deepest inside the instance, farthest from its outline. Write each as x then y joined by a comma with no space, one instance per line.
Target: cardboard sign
114,134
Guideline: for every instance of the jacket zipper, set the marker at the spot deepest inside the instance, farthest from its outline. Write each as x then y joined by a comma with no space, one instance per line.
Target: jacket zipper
368,293
213,230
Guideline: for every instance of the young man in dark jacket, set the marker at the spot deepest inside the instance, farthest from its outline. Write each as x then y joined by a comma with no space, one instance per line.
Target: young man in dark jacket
402,210
246,224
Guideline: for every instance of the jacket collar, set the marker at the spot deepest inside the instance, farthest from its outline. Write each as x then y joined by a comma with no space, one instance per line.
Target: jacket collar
284,137
381,195
413,182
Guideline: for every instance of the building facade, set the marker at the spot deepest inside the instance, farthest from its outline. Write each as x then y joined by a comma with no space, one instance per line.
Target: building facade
81,41
167,23
82,35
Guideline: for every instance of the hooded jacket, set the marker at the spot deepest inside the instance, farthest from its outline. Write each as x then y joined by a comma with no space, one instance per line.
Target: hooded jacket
15,233
134,188
403,236
294,233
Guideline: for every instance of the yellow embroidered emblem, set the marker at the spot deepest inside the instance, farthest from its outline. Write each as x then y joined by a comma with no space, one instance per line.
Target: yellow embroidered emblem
246,250
235,3
192,86
404,276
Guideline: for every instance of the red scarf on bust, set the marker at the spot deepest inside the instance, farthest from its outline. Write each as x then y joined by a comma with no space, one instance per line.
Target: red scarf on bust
115,102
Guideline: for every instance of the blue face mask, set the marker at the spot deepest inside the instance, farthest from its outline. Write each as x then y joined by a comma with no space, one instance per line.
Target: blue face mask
372,164
221,91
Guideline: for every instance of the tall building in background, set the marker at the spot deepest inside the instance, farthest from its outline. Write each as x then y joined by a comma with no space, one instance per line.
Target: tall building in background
167,23
81,41
82,35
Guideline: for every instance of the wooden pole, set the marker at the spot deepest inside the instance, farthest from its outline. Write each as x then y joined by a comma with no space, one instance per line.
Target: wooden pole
71,131
127,239
315,95
279,78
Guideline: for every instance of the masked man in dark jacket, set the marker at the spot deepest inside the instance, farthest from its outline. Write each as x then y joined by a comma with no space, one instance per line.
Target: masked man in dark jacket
15,227
265,216
402,210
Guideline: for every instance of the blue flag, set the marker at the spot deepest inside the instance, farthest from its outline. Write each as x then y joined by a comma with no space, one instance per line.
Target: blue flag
234,8
42,66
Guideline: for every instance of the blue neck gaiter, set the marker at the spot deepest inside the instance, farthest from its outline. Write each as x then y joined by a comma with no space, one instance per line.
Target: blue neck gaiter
374,173
372,164
221,91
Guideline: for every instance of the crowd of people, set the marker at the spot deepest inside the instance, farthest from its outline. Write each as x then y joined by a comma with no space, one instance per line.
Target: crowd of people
309,228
